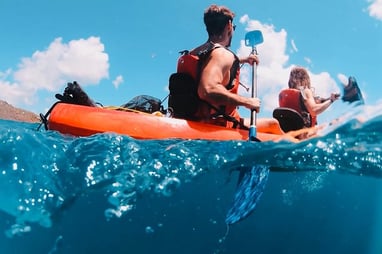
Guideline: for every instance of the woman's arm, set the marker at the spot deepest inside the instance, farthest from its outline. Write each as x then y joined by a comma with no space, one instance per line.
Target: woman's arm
315,108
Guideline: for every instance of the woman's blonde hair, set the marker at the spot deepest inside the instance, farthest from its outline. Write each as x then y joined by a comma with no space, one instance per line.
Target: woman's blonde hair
299,77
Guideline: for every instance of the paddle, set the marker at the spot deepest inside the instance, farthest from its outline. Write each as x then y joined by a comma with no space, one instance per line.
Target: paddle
352,92
252,181
252,39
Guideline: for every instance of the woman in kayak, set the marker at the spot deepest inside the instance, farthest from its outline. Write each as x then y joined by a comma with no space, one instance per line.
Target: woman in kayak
301,98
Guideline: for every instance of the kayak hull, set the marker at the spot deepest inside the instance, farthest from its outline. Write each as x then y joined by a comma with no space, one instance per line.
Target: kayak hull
80,120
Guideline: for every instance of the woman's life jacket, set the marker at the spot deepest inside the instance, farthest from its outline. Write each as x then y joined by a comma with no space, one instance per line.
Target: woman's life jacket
184,99
292,98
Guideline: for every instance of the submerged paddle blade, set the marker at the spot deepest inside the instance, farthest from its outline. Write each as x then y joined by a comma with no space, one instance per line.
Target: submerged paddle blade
249,190
352,92
253,38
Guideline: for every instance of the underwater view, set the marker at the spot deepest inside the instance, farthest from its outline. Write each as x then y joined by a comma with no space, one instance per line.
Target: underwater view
109,193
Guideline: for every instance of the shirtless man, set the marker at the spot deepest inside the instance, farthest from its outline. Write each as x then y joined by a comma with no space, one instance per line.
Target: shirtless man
219,78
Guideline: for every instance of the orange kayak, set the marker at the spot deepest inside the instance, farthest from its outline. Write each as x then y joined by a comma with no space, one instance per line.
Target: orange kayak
80,120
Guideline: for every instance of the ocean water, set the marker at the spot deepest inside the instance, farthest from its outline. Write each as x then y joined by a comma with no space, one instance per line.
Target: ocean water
112,194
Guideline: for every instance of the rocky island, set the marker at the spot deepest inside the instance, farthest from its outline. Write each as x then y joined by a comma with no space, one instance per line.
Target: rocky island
9,112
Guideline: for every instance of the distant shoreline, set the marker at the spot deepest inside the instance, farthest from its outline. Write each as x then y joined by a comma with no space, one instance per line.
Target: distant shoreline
9,112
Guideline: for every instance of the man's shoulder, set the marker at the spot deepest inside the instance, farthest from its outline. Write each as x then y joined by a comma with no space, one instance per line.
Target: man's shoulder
222,52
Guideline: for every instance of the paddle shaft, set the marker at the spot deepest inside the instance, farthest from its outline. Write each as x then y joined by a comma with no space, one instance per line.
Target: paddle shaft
254,92
252,127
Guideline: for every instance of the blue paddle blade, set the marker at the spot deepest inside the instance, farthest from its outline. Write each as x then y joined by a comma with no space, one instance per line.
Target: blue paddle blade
253,38
249,190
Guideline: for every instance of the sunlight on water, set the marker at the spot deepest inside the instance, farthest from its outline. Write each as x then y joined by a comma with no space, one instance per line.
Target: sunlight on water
313,181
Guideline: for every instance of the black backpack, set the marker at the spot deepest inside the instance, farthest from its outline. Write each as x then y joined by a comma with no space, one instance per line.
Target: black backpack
145,103
184,100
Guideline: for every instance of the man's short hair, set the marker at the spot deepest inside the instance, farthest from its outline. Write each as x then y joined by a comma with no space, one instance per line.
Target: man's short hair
216,18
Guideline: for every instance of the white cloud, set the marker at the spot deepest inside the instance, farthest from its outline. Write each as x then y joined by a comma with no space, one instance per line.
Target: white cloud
271,51
323,84
83,60
273,70
375,9
5,75
308,60
294,47
343,78
117,81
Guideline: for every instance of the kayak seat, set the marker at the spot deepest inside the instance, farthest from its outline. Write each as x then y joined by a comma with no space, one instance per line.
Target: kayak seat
289,119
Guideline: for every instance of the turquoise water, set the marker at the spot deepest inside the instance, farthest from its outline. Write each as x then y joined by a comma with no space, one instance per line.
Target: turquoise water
112,194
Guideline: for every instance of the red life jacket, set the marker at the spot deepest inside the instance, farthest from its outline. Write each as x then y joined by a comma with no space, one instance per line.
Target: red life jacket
292,98
222,115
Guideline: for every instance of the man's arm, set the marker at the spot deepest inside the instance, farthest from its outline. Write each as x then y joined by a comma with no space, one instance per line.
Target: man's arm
251,59
215,75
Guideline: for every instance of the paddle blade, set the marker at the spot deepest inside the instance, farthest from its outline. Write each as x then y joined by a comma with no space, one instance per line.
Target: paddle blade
352,92
253,38
249,190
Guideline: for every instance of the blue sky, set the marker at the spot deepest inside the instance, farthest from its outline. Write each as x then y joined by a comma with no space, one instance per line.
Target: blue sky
119,49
